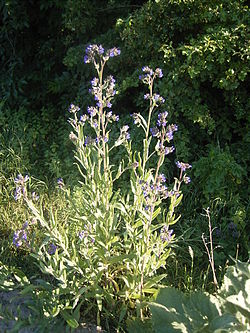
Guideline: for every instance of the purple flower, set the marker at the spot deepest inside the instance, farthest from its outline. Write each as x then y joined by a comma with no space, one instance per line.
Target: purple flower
20,180
92,51
92,111
109,105
82,234
125,128
166,235
155,132
147,70
158,72
162,178
25,225
18,193
169,135
136,118
52,248
113,52
101,49
84,118
127,136
94,82
115,117
174,127
146,96
60,182
19,237
186,179
169,150
162,119
109,114
183,166
73,108
88,140
158,98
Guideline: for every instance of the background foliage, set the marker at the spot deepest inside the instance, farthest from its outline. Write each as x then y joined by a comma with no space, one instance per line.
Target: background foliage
203,49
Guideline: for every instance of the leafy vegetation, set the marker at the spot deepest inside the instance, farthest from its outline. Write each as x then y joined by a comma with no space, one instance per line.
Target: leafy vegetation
202,49
199,312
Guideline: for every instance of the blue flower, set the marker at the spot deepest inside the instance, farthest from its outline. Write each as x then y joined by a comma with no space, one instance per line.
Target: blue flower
169,150
20,180
60,182
73,108
158,98
162,178
158,72
18,193
155,131
82,234
186,179
113,52
19,237
94,82
169,135
162,121
52,248
166,235
183,166
92,111
109,105
92,51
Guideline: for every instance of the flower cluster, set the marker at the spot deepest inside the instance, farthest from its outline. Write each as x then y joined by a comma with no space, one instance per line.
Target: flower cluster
155,191
149,74
73,108
166,235
20,182
93,52
164,134
183,166
100,115
102,100
20,236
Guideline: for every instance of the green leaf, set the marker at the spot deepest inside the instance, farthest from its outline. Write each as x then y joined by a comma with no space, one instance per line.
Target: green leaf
224,322
152,281
136,325
71,321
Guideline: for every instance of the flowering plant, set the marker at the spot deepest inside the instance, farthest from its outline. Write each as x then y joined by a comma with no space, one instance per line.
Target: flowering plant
111,248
